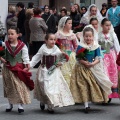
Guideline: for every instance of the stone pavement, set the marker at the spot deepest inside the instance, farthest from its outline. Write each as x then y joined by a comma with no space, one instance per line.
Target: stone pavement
33,112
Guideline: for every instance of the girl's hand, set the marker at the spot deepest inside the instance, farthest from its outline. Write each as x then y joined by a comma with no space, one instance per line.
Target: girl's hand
27,67
59,64
3,60
89,65
83,62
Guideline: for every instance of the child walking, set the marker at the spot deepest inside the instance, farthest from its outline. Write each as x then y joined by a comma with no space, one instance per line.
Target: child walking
50,88
88,81
118,63
109,42
16,78
68,43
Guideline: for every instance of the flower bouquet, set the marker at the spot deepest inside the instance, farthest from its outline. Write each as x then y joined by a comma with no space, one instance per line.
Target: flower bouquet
64,58
79,28
59,44
80,54
2,51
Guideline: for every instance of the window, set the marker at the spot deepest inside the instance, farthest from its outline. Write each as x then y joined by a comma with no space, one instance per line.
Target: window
86,3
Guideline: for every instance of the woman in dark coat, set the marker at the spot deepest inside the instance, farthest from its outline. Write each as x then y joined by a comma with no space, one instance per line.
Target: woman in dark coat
75,17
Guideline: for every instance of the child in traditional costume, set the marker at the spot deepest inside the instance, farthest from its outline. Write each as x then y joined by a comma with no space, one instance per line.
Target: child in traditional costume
118,63
50,85
68,43
16,78
88,81
109,42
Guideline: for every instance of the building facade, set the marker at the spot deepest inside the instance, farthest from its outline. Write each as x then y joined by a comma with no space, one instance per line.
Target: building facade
59,3
56,3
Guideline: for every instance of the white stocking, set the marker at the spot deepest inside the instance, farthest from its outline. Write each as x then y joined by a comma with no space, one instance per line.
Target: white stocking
20,106
86,104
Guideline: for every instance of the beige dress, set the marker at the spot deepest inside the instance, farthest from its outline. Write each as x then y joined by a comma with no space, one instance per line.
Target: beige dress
69,43
14,89
50,89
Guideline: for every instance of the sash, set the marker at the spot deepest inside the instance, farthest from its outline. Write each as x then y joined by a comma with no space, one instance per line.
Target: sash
23,75
18,48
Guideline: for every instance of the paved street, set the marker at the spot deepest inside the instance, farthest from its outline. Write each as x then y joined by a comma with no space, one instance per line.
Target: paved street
33,112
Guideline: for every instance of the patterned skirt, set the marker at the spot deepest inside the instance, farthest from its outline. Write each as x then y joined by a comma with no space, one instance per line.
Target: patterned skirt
52,89
84,87
112,72
68,67
14,89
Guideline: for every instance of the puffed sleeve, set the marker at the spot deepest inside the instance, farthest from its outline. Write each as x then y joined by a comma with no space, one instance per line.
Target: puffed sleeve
116,43
25,55
97,53
36,58
75,42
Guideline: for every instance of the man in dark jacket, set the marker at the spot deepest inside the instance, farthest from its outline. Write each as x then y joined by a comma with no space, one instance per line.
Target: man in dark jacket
21,20
49,19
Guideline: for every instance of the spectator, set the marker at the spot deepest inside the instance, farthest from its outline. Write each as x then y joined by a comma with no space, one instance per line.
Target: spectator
30,5
21,20
49,19
11,20
38,29
104,9
75,17
2,31
29,15
64,7
63,13
51,11
77,7
113,14
56,16
83,10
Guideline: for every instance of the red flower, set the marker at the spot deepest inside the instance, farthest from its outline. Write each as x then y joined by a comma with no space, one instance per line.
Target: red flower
1,48
58,43
66,56
81,50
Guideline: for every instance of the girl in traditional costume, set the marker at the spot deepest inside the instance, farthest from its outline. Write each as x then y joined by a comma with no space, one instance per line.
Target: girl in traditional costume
95,23
88,81
68,43
109,42
16,78
93,11
118,63
50,85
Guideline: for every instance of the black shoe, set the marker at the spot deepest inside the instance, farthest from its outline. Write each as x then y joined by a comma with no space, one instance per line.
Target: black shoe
42,106
109,100
87,109
50,111
9,110
20,110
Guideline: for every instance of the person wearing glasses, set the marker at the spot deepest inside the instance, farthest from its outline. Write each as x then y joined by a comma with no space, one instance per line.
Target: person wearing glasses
83,10
104,9
49,20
